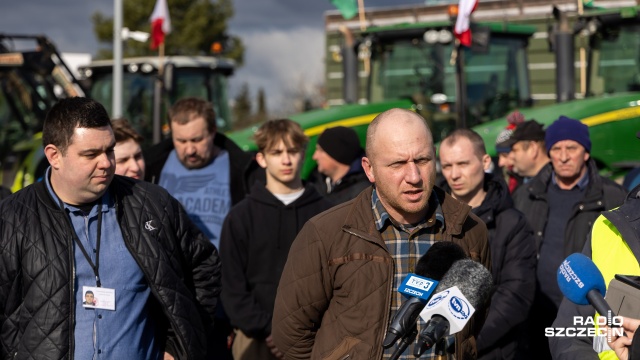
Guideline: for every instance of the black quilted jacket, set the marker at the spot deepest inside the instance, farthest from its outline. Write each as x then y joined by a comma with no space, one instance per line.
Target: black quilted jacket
36,271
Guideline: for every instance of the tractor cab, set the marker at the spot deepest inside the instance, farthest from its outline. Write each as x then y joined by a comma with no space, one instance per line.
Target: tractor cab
420,62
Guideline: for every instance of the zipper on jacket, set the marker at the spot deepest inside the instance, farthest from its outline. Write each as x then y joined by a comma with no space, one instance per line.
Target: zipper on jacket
152,285
363,237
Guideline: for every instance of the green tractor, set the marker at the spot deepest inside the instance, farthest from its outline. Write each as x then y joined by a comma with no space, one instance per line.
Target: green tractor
33,77
411,67
611,106
32,81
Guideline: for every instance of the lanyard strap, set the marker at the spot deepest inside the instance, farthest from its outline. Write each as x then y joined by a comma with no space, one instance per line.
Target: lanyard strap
81,247
84,251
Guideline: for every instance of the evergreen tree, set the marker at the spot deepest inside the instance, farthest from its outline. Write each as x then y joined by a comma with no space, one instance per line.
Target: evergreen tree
196,24
261,114
242,108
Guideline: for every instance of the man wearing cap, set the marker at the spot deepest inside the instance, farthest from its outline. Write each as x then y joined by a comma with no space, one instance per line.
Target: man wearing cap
339,157
528,154
561,204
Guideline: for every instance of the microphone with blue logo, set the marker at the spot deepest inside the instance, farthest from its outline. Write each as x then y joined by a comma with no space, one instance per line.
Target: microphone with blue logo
582,283
463,289
418,287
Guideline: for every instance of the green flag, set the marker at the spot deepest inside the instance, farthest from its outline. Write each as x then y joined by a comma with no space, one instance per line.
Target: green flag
348,8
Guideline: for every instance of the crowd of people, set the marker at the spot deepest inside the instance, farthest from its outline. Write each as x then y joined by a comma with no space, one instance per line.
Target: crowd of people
196,249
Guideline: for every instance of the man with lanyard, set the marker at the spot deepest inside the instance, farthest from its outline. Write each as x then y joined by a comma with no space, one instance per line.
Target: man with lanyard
154,276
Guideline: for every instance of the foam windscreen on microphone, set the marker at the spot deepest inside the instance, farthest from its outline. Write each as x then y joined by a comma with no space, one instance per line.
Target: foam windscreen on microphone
577,275
472,278
438,259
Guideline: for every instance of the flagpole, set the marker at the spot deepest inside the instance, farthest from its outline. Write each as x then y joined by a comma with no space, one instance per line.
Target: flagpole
583,56
363,21
157,96
363,26
116,108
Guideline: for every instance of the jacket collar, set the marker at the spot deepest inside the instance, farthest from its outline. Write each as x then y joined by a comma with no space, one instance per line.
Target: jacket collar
538,185
496,200
626,219
360,219
381,215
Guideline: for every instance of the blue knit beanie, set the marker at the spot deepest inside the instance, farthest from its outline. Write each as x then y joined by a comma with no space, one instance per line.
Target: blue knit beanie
567,129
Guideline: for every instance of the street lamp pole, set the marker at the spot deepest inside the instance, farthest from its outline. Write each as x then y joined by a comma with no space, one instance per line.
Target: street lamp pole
116,110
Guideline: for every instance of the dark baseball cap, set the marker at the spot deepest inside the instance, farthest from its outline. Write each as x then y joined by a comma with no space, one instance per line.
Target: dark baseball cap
528,130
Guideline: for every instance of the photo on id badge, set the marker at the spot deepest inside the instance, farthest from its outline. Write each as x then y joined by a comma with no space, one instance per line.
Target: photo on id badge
99,298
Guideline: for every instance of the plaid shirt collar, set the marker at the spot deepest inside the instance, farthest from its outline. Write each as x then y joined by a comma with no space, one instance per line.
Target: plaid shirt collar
381,216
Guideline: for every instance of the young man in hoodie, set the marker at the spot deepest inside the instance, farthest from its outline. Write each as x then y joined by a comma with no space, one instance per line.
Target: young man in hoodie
257,234
464,163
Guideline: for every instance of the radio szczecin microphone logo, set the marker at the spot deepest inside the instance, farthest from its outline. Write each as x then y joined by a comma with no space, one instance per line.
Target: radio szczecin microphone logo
580,329
579,282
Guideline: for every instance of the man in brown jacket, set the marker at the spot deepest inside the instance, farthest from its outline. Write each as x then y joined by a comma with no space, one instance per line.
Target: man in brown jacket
338,290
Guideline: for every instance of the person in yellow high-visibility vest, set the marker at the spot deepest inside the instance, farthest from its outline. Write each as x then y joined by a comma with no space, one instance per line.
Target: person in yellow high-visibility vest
614,246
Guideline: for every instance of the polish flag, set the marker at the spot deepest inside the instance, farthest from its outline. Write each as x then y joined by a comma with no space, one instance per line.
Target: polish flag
160,23
461,30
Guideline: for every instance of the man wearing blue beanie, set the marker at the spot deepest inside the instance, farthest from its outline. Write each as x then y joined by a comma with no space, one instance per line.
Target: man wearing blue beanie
568,129
561,203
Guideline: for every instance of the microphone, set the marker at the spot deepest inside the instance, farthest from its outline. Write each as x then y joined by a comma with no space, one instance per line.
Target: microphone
582,283
431,267
465,287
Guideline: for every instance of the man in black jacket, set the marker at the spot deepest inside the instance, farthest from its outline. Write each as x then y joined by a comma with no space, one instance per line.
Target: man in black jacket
201,167
464,161
258,233
155,276
206,172
339,157
561,204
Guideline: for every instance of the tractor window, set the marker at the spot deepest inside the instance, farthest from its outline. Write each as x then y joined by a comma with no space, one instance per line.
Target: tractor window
23,106
496,78
615,61
138,89
206,85
410,67
137,98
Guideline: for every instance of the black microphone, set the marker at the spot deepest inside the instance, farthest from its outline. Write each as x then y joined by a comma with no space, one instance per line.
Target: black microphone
432,265
464,288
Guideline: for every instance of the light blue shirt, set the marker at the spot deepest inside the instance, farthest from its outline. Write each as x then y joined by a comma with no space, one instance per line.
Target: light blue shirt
128,332
204,193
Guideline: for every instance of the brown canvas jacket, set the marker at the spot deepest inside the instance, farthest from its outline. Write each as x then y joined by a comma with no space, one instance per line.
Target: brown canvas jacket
335,292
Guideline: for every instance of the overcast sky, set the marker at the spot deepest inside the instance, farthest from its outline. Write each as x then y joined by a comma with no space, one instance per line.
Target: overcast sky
283,38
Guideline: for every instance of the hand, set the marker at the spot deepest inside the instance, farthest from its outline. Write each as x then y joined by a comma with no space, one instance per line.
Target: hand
274,350
620,344
168,356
